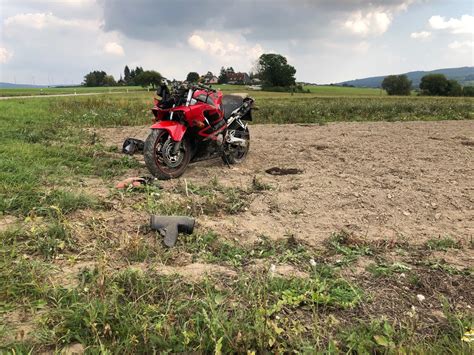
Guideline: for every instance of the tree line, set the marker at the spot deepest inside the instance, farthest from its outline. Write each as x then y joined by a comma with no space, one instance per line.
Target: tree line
131,77
431,84
273,70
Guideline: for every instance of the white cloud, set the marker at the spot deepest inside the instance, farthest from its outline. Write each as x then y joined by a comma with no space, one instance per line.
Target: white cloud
197,42
41,21
370,23
5,55
224,45
421,35
463,25
404,5
462,45
114,48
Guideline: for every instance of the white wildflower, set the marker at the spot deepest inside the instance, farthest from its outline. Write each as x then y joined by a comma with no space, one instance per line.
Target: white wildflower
420,297
312,262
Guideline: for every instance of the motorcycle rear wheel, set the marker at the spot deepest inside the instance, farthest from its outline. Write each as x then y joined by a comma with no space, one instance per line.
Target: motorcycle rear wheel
159,158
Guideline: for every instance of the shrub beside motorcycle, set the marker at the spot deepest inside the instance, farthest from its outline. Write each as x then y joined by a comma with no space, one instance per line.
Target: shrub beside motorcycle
193,123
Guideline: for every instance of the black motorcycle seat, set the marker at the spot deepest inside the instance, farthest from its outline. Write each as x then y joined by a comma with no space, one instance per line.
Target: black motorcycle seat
230,103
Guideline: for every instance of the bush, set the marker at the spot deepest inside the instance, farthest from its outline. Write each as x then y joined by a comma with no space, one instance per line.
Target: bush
468,91
454,88
434,84
292,89
397,85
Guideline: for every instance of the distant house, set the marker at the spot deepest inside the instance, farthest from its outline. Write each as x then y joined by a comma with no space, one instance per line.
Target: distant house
211,80
238,78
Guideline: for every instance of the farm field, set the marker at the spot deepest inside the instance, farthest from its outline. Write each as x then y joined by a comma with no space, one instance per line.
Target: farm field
319,90
368,249
66,90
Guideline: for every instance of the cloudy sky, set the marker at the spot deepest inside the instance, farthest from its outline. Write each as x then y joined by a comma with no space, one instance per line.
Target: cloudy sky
58,41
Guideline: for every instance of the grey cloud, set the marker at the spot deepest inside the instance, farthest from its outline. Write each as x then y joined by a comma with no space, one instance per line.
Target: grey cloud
258,20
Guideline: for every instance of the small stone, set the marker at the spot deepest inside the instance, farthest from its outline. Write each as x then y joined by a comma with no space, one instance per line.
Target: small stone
406,213
272,269
312,262
420,297
437,216
390,196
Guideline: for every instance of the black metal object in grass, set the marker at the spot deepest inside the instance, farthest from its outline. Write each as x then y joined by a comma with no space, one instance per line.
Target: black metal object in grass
170,226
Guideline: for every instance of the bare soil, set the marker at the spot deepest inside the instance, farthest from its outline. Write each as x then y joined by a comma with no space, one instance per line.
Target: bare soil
401,180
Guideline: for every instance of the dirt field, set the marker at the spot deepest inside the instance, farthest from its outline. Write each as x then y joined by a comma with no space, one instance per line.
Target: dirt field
387,207
379,180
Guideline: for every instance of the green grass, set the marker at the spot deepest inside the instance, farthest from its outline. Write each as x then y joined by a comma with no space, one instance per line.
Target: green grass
443,244
323,90
212,248
348,246
386,270
42,151
112,307
66,90
195,200
344,91
133,311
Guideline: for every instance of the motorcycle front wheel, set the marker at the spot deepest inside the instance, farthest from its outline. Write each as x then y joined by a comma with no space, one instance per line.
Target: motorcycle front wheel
161,157
236,154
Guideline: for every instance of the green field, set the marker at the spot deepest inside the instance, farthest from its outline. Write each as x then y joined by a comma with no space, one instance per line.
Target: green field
319,90
67,90
114,303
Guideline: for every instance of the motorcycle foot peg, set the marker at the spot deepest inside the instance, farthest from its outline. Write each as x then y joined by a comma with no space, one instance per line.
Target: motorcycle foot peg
170,226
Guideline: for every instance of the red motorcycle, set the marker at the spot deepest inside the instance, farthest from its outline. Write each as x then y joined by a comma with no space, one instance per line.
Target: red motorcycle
193,123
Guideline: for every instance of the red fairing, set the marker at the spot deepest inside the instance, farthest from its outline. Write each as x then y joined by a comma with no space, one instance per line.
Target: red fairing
175,129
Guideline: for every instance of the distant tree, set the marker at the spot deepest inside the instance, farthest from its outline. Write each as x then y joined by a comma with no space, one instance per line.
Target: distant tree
109,81
274,70
138,71
223,79
397,85
148,78
95,78
126,74
454,88
434,84
468,91
121,82
193,77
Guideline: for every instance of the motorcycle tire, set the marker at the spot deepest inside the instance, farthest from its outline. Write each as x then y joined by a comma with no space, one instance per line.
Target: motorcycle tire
156,162
238,156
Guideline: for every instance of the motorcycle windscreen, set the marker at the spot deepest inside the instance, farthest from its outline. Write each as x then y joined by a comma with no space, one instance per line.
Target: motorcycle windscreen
230,103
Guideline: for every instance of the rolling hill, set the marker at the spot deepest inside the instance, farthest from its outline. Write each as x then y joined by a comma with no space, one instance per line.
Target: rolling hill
20,86
464,75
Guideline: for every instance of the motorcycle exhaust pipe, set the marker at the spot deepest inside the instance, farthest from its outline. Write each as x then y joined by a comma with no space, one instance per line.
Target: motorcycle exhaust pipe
170,226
